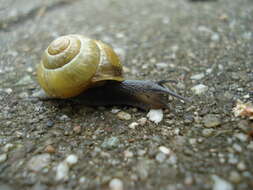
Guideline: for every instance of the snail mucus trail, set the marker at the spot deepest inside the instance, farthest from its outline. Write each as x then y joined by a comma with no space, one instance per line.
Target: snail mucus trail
89,71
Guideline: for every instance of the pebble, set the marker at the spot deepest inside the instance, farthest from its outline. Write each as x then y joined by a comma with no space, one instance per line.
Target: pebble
250,146
8,90
160,157
50,123
64,118
221,184
198,76
211,120
8,147
207,132
3,157
242,137
237,147
199,89
62,171
23,95
215,37
232,159
110,143
133,125
50,149
241,166
38,162
124,115
165,150
77,129
142,121
155,115
114,110
25,80
128,154
234,177
71,159
162,65
116,184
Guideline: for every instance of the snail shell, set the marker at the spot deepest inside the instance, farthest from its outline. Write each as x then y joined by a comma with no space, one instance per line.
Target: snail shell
73,63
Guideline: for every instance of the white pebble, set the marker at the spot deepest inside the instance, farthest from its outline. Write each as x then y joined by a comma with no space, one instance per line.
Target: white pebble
198,76
155,115
162,65
142,121
8,147
62,171
133,125
71,159
39,162
199,89
237,147
250,146
221,184
114,110
165,150
116,184
3,157
242,137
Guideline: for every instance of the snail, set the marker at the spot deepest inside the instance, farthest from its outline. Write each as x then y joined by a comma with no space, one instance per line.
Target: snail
74,66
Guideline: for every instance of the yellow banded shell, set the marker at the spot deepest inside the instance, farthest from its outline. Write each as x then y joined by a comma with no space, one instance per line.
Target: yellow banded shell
73,63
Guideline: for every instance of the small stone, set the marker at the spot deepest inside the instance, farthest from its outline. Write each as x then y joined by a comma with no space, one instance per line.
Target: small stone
165,150
114,110
237,147
215,37
155,115
128,154
133,125
192,141
241,166
198,76
142,121
221,184
82,179
8,147
234,177
39,162
23,95
188,180
124,115
3,157
25,80
64,118
232,159
50,123
77,129
207,132
211,120
160,157
71,159
50,149
110,143
242,137
250,146
199,89
116,184
8,90
162,65
62,171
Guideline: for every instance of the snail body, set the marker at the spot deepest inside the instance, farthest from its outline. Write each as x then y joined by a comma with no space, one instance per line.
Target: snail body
74,66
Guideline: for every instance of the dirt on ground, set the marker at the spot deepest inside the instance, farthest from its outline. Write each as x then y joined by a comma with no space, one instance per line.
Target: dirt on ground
206,46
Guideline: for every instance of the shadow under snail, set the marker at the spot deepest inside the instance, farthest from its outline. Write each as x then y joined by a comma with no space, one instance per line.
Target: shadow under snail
74,66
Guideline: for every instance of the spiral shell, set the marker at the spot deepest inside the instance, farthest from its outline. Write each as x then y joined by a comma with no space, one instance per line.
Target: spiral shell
73,63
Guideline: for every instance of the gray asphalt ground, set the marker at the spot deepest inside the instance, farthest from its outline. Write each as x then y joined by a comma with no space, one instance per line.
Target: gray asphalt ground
199,145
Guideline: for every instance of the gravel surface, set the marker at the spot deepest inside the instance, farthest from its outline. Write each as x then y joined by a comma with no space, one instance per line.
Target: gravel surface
206,46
